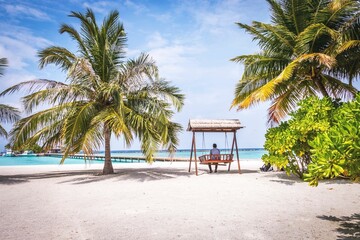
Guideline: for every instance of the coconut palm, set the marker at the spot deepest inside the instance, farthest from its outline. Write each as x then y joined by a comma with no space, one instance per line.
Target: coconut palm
103,95
304,52
8,114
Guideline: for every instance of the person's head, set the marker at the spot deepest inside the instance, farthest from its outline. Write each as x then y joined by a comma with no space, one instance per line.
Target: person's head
214,145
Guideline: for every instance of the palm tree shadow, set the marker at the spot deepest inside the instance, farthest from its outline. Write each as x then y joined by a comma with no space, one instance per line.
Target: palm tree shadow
349,227
90,176
24,178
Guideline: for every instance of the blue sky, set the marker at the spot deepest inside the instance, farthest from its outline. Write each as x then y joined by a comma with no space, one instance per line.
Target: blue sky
192,42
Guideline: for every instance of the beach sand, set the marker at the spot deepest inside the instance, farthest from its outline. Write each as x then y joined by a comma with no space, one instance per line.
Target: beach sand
164,201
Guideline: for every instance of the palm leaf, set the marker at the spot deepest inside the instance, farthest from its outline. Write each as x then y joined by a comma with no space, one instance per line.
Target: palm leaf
3,65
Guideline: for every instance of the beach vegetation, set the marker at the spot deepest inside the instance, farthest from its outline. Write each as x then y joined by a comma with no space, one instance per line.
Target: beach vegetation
320,141
336,152
36,148
310,48
104,94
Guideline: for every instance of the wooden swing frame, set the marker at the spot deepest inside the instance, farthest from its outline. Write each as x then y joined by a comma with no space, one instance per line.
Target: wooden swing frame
223,126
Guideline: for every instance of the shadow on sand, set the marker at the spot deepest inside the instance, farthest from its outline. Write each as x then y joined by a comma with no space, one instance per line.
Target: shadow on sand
90,176
282,177
349,227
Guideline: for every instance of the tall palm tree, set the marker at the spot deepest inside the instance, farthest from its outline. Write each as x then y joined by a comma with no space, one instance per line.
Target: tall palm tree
8,114
104,95
304,52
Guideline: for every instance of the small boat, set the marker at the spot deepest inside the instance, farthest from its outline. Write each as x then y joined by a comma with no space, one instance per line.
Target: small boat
9,153
27,153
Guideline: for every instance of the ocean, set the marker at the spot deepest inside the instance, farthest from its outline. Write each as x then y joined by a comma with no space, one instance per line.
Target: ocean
249,153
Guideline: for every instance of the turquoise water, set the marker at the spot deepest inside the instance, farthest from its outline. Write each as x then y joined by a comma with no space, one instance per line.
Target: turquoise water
243,153
42,160
33,160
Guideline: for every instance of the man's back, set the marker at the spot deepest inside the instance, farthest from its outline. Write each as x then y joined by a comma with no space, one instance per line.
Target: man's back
214,151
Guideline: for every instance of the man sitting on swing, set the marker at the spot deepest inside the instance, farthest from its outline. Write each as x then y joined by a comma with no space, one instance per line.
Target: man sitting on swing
214,155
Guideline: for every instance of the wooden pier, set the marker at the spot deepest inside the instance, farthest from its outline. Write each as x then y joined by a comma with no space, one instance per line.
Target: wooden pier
124,159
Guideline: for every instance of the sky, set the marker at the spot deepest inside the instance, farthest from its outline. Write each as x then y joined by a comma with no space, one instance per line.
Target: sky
192,42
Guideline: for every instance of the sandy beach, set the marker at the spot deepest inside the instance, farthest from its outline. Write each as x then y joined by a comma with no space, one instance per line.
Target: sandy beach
164,201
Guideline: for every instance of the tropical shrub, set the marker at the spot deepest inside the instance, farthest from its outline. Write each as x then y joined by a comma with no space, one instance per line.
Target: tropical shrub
288,144
336,152
320,141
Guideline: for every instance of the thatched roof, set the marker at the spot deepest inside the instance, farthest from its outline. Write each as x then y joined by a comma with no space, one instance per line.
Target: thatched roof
214,125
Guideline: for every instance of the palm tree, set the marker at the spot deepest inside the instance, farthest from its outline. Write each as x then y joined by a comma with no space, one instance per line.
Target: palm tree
103,95
8,114
305,52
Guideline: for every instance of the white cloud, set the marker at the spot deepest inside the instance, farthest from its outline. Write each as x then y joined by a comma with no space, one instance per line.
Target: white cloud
17,52
20,46
99,6
177,60
156,41
165,17
136,7
26,11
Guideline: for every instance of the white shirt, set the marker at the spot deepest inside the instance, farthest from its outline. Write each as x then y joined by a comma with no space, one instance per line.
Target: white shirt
214,151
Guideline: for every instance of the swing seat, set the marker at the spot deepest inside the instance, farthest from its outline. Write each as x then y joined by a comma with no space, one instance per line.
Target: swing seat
216,159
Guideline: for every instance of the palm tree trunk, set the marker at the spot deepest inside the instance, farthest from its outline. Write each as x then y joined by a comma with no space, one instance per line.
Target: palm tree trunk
321,87
108,167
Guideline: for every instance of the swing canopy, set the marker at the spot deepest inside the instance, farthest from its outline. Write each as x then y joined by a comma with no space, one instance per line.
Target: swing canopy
214,125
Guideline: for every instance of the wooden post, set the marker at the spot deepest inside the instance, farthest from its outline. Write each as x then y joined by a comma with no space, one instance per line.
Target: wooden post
237,152
196,168
232,149
191,152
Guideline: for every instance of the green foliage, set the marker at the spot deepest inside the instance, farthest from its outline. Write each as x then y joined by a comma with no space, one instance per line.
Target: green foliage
33,147
288,145
336,152
320,141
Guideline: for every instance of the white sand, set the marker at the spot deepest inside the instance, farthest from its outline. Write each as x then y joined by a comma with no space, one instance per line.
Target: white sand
164,201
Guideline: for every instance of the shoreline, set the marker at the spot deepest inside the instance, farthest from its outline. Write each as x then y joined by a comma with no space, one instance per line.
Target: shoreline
164,201
253,164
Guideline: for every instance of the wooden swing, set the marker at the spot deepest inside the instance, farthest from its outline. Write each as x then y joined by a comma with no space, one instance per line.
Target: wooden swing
225,126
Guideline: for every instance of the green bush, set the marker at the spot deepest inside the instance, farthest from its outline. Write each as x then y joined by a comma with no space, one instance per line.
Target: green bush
288,144
336,152
320,141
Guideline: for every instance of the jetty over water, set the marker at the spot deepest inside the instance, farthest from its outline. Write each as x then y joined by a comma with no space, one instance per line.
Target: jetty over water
118,158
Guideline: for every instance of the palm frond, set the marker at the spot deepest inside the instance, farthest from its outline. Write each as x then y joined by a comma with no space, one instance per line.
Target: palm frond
3,65
8,114
276,38
349,45
3,132
319,58
74,34
28,127
339,89
56,55
32,86
307,40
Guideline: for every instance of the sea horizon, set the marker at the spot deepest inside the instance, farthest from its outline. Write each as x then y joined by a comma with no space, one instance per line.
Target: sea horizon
181,150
